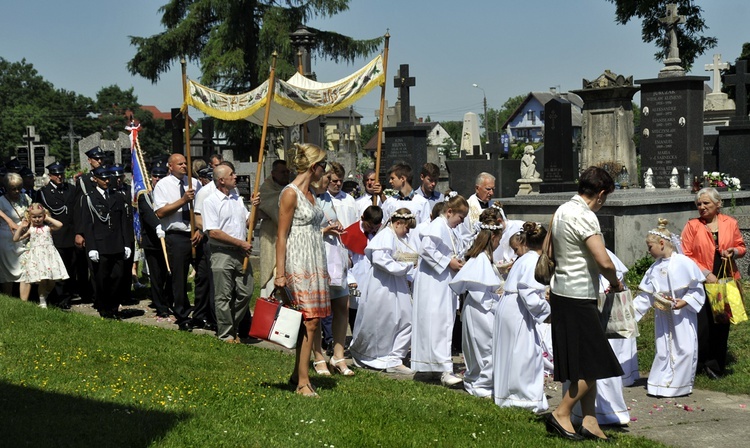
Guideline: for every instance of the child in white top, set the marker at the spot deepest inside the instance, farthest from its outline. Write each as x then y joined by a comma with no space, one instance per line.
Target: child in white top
673,286
435,304
480,280
41,263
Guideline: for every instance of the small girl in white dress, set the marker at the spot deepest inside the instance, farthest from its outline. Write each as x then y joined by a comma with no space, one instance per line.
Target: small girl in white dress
673,286
480,280
41,263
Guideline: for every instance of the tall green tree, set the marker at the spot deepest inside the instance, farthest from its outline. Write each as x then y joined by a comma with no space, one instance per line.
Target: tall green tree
27,99
690,38
233,40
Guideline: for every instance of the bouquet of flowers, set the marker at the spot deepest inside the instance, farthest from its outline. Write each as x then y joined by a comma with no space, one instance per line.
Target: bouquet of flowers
721,180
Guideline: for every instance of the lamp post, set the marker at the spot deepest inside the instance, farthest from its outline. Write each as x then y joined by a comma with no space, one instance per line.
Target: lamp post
484,94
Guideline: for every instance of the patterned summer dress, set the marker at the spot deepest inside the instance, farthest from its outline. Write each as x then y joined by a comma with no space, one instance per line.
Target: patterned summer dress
306,268
10,252
41,261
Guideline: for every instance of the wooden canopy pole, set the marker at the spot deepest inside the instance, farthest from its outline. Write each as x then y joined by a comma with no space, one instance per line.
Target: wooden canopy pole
269,101
187,147
380,116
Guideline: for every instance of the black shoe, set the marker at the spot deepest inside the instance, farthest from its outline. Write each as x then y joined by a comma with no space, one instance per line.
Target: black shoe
553,427
710,373
163,315
184,326
197,324
590,435
210,326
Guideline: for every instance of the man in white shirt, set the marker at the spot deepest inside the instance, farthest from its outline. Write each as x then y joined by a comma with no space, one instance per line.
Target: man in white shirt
344,204
225,219
428,180
173,197
372,188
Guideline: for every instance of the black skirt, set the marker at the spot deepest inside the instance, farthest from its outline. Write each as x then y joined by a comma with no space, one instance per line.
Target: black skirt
580,349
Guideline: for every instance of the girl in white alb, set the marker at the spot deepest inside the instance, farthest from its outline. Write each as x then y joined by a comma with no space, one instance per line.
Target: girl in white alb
518,363
383,332
480,280
435,303
673,287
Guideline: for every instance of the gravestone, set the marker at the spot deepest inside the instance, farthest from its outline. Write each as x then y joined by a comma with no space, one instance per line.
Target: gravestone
718,109
494,148
33,155
407,141
734,139
471,141
113,149
560,160
672,115
607,123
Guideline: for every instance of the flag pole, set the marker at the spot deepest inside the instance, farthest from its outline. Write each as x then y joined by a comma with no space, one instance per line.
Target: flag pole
380,115
183,62
149,189
254,209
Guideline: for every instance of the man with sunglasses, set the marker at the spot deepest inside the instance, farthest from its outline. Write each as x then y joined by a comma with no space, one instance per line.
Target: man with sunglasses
84,186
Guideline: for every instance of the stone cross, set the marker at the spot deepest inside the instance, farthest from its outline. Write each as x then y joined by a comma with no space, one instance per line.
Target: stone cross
740,80
25,153
716,67
402,82
671,21
494,147
73,137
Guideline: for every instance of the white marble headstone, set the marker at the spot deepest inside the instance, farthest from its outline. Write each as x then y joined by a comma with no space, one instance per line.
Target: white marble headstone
470,136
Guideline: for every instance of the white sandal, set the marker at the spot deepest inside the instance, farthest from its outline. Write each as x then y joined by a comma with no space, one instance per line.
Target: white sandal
324,371
346,371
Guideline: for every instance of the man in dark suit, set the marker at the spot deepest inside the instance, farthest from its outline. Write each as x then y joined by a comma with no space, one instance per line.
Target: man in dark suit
151,235
103,228
84,185
117,185
58,197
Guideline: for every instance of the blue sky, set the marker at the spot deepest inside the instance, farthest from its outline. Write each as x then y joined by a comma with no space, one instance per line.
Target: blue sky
508,48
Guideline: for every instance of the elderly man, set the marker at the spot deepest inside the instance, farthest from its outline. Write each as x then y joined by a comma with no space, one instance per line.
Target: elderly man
484,188
173,197
58,197
225,220
269,213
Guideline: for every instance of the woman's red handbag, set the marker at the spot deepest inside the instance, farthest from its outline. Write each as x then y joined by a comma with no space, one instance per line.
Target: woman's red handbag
275,320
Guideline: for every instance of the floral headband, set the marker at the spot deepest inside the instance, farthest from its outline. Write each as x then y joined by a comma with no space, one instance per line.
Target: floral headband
450,195
479,226
403,216
659,234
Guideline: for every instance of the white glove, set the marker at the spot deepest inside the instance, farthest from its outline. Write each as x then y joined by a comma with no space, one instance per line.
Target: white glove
94,256
127,253
159,232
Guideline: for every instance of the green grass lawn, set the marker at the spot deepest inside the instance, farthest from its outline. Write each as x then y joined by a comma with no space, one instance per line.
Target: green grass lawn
68,379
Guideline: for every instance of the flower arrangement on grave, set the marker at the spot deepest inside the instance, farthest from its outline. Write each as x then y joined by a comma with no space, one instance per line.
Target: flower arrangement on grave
721,180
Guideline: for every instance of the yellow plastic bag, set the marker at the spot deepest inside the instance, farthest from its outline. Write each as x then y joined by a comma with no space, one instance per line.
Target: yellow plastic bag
725,297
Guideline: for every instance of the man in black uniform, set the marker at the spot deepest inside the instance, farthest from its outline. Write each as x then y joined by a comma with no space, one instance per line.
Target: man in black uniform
103,228
58,197
84,185
117,185
151,234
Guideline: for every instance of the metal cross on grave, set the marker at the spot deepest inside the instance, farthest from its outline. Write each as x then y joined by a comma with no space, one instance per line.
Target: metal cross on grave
716,67
25,153
740,80
402,82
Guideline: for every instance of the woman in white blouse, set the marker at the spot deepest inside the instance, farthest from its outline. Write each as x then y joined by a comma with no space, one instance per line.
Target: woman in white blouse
582,354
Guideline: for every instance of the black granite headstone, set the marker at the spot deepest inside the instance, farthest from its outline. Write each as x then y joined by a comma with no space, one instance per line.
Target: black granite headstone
404,144
560,160
22,154
710,153
672,126
494,147
734,140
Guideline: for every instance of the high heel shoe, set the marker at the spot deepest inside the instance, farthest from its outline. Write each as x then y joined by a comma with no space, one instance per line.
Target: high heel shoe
554,427
321,371
346,371
590,435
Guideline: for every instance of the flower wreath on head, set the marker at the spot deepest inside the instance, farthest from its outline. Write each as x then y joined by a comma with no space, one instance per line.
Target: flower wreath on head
479,227
403,216
499,206
450,195
674,239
